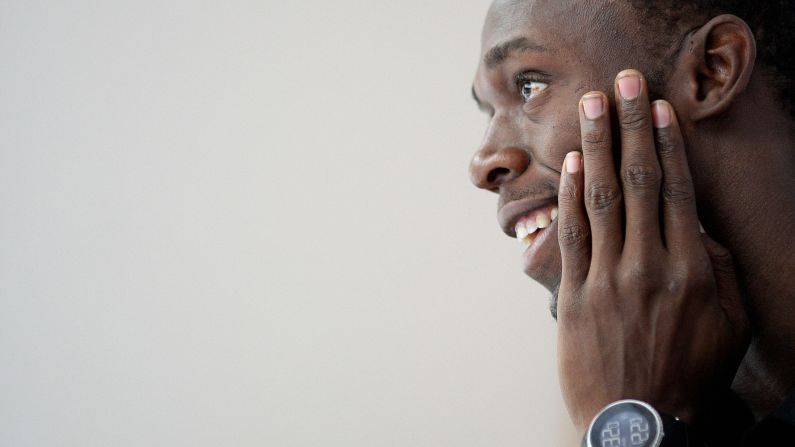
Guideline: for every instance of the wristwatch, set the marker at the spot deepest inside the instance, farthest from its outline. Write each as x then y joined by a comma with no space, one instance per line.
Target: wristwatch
633,423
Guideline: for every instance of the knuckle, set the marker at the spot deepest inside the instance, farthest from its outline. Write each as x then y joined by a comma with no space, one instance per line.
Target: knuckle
603,289
595,138
633,276
603,283
641,176
602,197
690,274
694,274
568,310
641,267
573,235
666,146
678,285
722,259
677,191
639,276
570,192
634,119
689,286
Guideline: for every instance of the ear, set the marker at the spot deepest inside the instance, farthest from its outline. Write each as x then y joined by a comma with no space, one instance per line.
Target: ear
718,62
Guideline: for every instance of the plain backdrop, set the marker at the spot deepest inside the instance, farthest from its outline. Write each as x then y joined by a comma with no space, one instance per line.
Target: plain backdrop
249,223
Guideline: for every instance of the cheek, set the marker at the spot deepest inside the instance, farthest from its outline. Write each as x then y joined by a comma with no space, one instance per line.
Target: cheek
558,136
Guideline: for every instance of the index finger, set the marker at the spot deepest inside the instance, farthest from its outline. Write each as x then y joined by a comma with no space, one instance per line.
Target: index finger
602,194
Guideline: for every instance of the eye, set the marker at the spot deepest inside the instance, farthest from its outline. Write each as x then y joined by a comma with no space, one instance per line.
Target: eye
530,85
531,89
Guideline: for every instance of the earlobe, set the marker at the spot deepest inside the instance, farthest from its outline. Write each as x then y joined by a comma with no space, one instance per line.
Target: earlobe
721,61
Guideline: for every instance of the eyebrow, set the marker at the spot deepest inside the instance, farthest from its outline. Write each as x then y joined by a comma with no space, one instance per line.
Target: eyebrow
497,54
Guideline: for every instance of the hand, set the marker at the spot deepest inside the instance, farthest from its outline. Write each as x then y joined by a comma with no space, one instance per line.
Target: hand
648,307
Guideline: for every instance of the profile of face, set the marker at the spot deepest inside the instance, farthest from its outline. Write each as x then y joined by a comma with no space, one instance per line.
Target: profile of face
538,58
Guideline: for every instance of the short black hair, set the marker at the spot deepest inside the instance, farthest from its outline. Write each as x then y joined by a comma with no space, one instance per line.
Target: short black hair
772,22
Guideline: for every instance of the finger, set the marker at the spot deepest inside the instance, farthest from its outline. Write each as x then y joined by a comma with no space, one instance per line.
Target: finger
729,293
640,170
680,218
602,189
573,229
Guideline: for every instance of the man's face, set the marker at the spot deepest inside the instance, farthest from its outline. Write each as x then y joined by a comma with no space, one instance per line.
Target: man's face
538,58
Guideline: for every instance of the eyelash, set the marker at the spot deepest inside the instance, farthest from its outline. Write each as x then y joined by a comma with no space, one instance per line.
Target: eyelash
525,78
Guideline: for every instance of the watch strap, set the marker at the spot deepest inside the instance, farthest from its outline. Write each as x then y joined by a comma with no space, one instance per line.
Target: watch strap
677,433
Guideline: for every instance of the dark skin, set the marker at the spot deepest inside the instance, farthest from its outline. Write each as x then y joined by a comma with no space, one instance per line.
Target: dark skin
648,308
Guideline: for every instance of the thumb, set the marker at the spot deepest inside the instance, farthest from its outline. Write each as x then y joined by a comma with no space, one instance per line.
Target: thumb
729,293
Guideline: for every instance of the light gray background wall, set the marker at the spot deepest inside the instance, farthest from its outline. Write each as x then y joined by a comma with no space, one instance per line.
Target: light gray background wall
249,223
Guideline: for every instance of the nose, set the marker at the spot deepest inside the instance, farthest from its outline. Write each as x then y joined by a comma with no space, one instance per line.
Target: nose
497,162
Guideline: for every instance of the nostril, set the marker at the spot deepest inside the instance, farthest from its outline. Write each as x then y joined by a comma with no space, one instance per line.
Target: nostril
496,173
490,168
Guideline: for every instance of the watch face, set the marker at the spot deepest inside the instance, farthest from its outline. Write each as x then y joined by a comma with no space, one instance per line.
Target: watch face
626,424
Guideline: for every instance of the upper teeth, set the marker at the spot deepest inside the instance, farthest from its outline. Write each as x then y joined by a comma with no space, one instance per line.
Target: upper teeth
530,223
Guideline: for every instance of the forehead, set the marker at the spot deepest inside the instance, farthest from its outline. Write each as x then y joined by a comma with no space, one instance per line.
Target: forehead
570,26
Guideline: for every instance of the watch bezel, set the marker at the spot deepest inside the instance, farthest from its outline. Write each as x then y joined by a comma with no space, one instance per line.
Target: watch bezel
657,419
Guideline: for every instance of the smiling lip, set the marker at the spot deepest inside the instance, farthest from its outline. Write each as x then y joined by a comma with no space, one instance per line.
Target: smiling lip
542,249
511,212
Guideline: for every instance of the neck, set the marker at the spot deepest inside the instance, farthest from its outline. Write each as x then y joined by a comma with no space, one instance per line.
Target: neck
750,209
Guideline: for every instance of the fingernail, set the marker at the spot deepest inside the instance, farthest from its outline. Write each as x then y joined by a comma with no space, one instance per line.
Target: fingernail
629,87
701,228
573,162
593,106
661,114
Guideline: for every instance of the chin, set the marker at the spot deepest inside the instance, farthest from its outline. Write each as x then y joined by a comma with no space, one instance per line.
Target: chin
553,303
553,286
